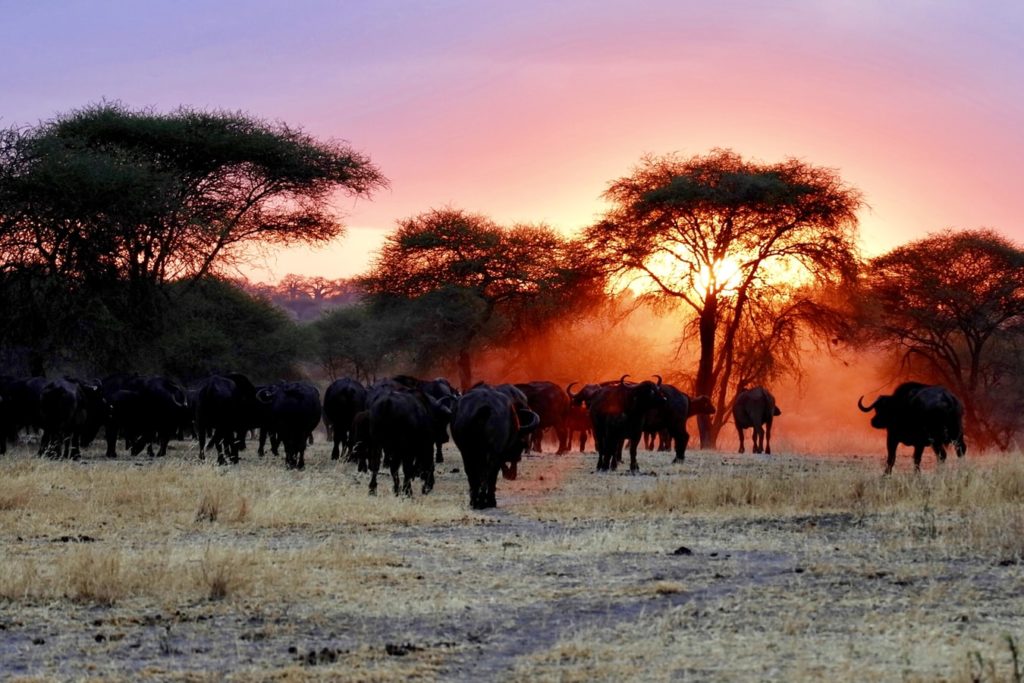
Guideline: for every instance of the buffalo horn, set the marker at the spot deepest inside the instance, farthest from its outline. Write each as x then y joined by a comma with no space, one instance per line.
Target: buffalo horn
865,409
622,380
659,379
568,390
528,420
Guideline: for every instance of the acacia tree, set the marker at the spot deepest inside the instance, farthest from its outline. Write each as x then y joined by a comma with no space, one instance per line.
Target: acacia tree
109,193
111,206
499,279
954,302
718,234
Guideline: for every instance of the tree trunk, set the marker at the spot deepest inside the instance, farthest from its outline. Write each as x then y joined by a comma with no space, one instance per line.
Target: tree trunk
465,370
705,383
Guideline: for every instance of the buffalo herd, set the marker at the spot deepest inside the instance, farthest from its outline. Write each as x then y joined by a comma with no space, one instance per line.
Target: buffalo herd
402,421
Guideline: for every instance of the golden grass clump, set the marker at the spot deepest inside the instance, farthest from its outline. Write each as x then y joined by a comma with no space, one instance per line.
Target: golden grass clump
224,573
957,487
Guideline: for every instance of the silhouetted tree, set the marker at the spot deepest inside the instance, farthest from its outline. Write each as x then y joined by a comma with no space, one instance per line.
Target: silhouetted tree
109,193
111,206
954,302
713,233
518,276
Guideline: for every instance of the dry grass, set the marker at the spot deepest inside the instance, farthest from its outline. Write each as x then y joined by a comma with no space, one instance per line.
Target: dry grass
909,576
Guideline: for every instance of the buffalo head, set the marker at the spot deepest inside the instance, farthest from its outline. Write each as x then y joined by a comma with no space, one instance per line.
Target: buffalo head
884,409
701,405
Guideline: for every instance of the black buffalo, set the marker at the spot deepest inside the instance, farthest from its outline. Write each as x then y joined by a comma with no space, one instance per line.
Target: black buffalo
21,407
577,422
755,409
403,426
225,405
343,399
552,407
144,411
490,432
71,413
617,411
292,412
918,415
441,390
668,419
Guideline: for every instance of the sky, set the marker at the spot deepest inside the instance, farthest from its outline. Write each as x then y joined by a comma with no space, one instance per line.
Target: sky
525,111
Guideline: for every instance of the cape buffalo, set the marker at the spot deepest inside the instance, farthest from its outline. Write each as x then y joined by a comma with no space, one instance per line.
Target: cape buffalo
918,415
22,402
224,409
71,413
753,408
343,399
292,413
617,412
144,411
552,406
490,432
403,426
441,390
668,419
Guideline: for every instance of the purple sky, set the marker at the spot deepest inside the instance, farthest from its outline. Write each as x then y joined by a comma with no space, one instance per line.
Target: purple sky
525,111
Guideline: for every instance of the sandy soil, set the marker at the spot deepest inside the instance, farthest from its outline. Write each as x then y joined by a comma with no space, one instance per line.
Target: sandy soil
725,568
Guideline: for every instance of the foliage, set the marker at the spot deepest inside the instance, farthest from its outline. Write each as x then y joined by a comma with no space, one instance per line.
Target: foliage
108,193
351,341
495,280
952,305
739,244
216,326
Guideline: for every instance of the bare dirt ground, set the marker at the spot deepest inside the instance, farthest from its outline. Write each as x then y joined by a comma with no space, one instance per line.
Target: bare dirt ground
729,567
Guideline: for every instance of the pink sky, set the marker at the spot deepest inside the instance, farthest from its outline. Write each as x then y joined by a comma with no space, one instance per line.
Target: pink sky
525,111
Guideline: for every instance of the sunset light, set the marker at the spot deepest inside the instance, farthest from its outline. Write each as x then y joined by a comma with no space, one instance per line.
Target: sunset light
512,340
722,277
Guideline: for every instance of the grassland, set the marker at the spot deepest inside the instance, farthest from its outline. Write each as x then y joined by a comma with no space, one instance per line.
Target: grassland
726,568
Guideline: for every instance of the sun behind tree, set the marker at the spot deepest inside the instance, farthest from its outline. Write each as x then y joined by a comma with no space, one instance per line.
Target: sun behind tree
726,237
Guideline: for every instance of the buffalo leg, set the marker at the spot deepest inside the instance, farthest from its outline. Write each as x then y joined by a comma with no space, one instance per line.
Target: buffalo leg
918,451
472,475
739,430
682,440
890,458
768,438
758,439
427,473
262,448
396,464
633,466
439,457
665,440
111,440
563,440
336,451
373,464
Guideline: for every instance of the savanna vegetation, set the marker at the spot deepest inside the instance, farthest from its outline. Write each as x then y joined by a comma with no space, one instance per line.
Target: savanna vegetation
731,568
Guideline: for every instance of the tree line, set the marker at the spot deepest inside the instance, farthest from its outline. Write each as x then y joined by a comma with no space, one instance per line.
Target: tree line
121,232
